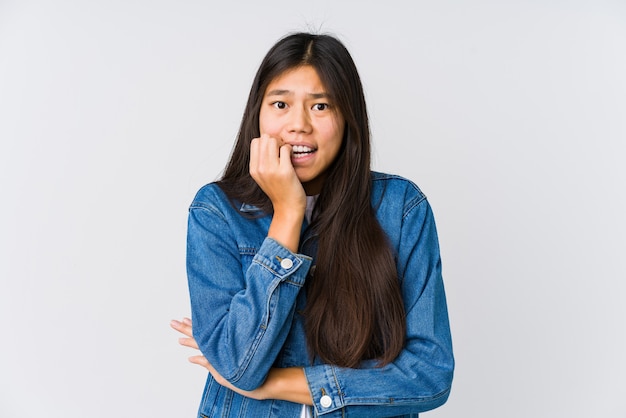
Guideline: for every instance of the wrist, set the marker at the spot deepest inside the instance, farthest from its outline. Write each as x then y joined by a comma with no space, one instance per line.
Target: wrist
287,384
286,227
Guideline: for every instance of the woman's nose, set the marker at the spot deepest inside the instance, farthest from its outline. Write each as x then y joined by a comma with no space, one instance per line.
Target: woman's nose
299,120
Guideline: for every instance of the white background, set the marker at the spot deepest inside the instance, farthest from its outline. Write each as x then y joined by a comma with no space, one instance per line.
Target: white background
510,115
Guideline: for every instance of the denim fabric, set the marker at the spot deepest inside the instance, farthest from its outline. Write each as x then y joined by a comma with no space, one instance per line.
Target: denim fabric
247,297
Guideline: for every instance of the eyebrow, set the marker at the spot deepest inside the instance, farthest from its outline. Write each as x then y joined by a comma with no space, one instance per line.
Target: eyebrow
279,92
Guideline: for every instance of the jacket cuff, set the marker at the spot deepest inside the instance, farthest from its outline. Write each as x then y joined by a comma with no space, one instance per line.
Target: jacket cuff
282,263
324,388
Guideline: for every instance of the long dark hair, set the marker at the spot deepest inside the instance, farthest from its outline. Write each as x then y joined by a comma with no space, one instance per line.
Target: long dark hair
354,305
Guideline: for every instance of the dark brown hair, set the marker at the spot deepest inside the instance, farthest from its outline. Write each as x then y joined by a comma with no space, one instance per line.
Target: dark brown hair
354,305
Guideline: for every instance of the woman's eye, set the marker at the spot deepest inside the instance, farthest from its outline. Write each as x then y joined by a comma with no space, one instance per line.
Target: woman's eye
279,105
320,106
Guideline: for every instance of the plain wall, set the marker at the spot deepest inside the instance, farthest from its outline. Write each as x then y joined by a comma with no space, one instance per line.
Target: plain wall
510,115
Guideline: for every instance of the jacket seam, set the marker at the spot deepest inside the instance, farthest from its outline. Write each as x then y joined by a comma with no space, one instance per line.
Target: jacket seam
397,401
208,208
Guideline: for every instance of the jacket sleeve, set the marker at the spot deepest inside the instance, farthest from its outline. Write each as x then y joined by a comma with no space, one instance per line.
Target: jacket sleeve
419,379
239,314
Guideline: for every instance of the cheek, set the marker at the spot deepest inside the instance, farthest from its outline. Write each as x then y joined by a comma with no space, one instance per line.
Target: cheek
335,137
268,125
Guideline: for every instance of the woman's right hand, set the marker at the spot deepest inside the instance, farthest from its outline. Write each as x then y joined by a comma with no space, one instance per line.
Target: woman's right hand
271,168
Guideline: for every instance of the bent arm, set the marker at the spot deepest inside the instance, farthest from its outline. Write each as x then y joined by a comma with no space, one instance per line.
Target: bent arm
240,314
419,379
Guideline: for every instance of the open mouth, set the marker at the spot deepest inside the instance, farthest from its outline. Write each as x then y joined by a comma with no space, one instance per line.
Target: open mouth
301,151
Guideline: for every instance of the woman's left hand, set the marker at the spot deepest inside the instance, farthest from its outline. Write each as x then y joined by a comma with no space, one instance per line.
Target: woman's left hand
184,327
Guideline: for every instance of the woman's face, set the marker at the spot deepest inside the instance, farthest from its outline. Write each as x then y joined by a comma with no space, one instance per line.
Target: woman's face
296,109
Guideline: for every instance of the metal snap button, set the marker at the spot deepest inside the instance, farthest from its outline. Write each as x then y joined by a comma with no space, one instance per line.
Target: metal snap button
325,401
286,263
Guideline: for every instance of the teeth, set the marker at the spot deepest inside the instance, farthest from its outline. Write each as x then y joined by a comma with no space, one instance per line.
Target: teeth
301,149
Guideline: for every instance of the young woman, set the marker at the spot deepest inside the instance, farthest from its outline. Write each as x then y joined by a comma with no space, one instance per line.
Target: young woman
315,283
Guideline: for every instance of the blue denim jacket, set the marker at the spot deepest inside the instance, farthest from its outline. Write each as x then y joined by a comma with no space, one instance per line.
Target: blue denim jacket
246,302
